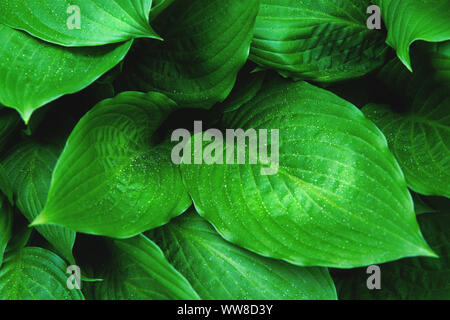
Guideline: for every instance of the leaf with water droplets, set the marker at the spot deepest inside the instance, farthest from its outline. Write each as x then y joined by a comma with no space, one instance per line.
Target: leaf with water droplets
336,196
81,22
35,274
320,40
112,179
34,73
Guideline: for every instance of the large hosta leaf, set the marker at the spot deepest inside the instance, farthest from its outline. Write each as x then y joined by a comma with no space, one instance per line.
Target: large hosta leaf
321,40
408,279
29,167
100,21
5,226
33,73
112,179
138,270
205,44
35,274
220,270
418,133
411,20
338,198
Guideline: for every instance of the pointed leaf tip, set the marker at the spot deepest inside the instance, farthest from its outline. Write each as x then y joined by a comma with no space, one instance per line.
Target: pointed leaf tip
40,219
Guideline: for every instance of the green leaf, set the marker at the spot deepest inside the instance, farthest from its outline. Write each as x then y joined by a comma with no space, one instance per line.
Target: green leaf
6,223
320,40
100,21
419,141
34,73
417,128
138,270
111,178
219,270
35,274
29,167
408,279
338,197
205,44
411,20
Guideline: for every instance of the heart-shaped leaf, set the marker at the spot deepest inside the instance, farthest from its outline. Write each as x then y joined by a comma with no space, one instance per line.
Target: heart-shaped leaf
336,197
319,40
418,130
411,20
6,222
219,270
138,270
29,167
205,44
34,73
112,179
79,22
409,279
35,274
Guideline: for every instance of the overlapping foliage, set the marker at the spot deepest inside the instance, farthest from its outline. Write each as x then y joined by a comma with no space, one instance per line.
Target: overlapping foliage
86,116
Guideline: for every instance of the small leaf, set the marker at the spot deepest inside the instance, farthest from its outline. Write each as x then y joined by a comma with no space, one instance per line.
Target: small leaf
205,45
111,179
408,279
35,274
219,270
338,197
418,128
320,40
81,22
34,73
6,223
29,167
411,20
138,270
